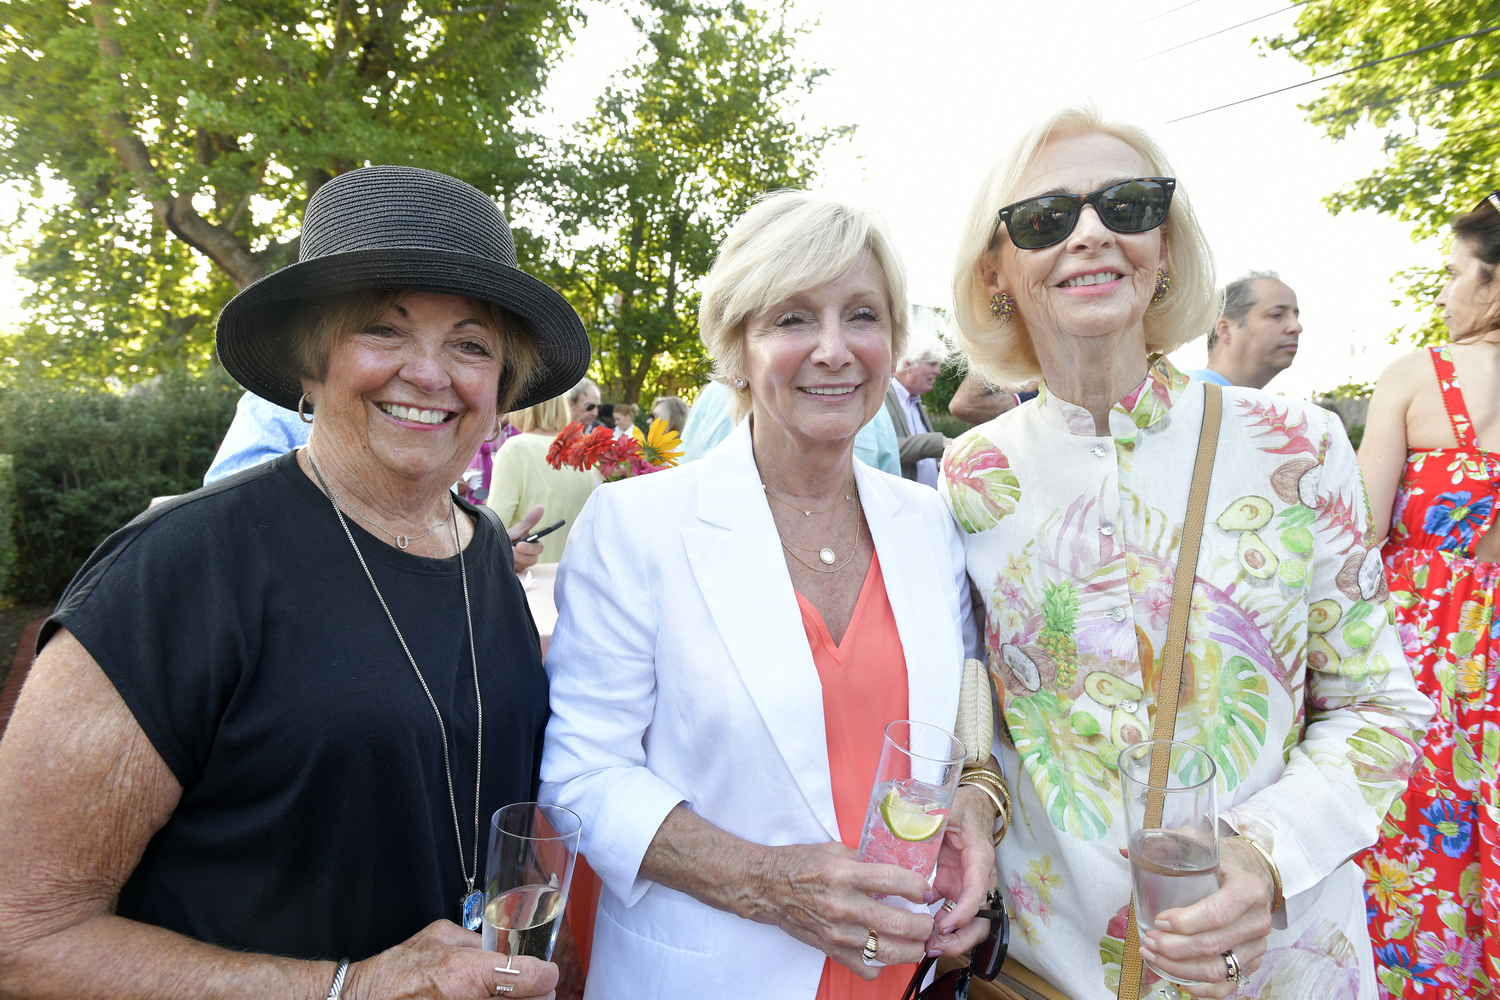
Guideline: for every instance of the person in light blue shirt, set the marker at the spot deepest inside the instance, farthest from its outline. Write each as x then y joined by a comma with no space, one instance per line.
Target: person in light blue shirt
1207,375
260,430
712,418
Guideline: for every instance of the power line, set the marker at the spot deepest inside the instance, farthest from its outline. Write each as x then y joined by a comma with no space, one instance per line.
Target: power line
1342,72
1153,17
1211,34
1397,100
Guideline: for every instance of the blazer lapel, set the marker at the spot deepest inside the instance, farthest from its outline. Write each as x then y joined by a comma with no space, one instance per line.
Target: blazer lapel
736,559
914,562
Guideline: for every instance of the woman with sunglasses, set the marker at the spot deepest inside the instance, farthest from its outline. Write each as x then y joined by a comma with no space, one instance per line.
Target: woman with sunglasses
1433,878
1082,264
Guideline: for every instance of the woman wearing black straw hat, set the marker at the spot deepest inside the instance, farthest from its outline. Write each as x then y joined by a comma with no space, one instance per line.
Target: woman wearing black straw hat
243,758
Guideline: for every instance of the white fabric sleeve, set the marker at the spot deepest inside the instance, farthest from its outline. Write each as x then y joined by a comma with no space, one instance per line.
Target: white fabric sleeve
601,665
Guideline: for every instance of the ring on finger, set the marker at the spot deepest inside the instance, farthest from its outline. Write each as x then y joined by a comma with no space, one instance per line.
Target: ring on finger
1232,963
872,943
950,905
506,987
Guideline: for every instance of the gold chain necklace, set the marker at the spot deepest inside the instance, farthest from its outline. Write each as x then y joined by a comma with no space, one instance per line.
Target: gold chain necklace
825,572
809,513
826,554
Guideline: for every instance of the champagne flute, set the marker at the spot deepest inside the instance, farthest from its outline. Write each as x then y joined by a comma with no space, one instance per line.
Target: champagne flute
527,875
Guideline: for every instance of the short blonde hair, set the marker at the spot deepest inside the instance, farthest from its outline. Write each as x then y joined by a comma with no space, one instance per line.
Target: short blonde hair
1002,352
549,416
318,326
789,242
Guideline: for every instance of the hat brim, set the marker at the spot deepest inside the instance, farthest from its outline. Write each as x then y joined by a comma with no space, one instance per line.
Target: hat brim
251,333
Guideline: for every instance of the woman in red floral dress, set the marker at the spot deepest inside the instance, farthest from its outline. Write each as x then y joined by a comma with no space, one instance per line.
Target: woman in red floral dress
1433,878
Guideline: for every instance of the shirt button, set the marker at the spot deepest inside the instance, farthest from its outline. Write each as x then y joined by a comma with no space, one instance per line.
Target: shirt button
1099,451
1106,529
1118,614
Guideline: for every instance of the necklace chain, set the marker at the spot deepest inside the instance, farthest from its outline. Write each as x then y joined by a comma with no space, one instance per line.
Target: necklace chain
809,513
853,518
825,572
473,659
401,540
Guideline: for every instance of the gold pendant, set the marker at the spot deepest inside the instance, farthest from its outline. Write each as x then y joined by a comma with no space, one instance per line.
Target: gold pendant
826,554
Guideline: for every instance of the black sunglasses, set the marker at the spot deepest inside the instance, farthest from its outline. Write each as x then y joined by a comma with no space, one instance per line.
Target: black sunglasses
1133,206
984,961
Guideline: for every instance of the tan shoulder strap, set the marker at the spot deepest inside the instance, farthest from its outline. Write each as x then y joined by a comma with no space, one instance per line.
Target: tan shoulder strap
1170,680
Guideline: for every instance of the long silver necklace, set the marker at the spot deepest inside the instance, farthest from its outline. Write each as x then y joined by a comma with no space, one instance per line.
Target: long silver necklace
402,541
471,903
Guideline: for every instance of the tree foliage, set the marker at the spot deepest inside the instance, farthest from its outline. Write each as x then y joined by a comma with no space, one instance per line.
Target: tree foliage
190,134
1439,109
678,147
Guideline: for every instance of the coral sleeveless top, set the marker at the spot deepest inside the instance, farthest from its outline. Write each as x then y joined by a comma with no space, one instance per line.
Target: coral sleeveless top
864,687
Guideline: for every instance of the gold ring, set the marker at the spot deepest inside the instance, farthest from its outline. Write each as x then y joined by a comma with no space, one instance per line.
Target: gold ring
871,944
1233,964
950,905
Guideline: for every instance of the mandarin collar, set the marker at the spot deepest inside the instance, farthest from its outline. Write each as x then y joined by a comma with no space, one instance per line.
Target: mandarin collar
1145,405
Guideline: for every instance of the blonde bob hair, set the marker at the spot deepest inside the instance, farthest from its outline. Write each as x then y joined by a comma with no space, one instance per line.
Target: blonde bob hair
549,416
1002,352
789,242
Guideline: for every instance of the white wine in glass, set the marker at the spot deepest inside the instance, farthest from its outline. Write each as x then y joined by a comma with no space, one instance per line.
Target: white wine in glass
527,875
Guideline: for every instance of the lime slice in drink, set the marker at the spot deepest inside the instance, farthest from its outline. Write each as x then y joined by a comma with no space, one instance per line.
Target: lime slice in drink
906,819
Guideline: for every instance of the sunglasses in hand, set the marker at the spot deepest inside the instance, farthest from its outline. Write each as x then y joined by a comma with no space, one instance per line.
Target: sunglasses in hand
984,961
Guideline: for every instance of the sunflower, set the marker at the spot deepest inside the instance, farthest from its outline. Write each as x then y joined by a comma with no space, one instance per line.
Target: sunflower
662,447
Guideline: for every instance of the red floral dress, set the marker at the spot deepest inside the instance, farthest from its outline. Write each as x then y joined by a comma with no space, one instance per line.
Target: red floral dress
1433,878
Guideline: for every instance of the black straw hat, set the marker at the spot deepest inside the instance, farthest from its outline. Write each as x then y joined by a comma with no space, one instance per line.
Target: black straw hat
398,228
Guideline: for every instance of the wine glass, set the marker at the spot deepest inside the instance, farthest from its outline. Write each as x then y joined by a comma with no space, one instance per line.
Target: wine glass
527,875
1172,824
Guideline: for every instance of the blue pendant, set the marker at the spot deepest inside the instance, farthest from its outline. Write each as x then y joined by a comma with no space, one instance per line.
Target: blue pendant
471,910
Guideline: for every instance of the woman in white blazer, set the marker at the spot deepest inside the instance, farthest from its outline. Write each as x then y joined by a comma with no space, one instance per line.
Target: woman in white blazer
703,725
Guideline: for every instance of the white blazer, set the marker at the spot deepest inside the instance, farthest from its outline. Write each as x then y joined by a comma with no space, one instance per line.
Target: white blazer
680,673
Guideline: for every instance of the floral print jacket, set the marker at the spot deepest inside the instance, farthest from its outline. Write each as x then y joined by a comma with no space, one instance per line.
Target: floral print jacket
1295,681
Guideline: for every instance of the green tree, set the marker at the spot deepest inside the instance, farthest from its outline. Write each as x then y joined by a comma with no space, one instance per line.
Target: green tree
190,134
678,147
1439,110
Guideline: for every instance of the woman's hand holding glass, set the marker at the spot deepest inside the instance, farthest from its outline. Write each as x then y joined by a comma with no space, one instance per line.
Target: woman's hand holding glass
820,895
1235,918
965,873
445,962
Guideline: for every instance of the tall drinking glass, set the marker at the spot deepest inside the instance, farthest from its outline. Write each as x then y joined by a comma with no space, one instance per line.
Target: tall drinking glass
1172,822
527,875
908,810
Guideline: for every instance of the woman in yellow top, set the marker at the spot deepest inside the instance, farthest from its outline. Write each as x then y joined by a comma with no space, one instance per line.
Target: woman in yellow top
522,478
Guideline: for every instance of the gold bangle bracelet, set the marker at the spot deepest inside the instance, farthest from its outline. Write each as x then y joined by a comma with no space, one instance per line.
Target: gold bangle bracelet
993,786
1278,896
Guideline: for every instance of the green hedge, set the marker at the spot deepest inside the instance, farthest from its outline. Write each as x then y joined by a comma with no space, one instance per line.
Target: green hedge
87,460
7,521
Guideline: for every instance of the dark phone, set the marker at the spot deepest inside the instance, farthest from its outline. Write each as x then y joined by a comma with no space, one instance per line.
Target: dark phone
549,529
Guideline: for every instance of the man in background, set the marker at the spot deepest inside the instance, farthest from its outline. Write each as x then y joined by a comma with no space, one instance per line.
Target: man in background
919,445
583,404
1256,337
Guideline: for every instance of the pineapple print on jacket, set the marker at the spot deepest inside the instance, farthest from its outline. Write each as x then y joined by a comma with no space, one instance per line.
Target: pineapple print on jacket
1294,680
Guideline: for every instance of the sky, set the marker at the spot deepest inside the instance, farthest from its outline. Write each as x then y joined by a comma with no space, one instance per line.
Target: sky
940,89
